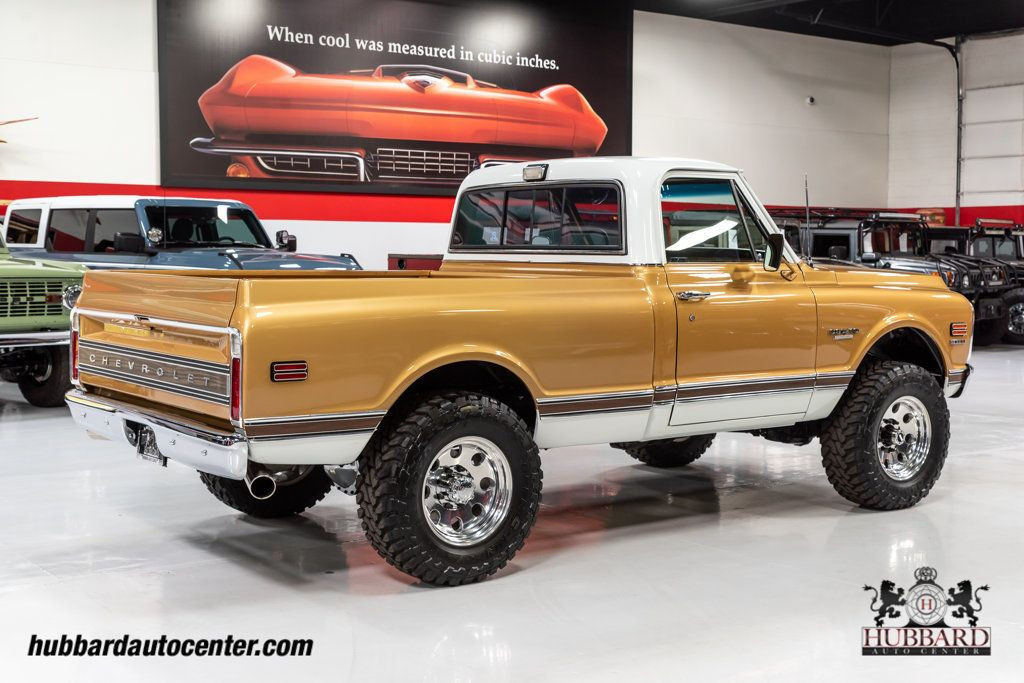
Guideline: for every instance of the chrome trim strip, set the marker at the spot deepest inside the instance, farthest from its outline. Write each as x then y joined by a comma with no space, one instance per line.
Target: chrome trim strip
218,368
163,322
306,435
732,382
210,397
590,397
359,175
311,417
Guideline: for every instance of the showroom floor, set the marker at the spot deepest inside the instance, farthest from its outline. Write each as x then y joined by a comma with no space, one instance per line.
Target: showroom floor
744,566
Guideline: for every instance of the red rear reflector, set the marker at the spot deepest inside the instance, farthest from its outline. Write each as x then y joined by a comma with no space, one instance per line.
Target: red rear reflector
958,329
236,389
289,371
74,355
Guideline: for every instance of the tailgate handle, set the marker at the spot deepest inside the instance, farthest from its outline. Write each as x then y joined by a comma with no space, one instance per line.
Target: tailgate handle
692,296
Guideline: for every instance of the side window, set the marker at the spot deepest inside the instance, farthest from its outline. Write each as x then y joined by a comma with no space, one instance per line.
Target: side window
703,223
23,226
66,231
109,222
571,217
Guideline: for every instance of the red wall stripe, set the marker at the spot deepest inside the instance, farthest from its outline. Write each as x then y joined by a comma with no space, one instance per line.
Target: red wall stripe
268,204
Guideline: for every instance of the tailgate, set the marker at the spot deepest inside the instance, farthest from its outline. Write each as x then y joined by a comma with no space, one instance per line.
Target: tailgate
160,338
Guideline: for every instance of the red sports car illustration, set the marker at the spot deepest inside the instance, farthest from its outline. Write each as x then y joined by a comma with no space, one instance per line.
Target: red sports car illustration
398,122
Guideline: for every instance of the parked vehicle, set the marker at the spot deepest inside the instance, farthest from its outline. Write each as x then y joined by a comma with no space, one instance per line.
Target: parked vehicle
34,323
646,303
398,122
1003,241
125,231
905,241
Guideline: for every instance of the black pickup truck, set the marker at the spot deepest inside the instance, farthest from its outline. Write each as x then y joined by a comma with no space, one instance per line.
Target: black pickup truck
905,241
1003,240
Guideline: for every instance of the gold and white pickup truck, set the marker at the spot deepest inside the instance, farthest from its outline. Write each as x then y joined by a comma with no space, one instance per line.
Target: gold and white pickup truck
646,303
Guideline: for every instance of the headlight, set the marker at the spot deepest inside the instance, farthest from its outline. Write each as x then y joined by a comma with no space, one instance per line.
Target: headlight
967,280
70,296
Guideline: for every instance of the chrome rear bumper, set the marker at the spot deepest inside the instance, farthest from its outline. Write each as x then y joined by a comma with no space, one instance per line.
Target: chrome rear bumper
23,339
222,453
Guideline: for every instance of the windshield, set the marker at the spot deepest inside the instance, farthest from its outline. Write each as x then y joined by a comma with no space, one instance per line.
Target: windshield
892,239
998,247
207,226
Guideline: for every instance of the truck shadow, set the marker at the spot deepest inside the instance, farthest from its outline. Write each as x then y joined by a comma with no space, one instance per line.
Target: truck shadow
329,540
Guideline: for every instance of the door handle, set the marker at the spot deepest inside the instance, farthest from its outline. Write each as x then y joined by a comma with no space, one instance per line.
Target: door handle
692,296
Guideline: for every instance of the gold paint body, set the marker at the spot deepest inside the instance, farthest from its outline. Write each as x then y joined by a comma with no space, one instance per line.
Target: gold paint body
564,329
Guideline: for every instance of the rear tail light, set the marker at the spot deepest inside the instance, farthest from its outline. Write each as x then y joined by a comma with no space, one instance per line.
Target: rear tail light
958,329
236,389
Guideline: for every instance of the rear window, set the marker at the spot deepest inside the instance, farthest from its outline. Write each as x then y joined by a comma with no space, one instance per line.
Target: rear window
23,226
544,217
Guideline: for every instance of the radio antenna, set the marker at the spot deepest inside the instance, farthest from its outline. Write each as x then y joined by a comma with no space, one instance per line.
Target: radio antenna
805,233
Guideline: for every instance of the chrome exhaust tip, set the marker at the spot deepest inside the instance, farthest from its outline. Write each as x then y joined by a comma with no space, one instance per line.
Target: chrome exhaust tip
261,485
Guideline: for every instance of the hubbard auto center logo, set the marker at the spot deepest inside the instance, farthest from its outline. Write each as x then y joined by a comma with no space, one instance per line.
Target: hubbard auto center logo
926,620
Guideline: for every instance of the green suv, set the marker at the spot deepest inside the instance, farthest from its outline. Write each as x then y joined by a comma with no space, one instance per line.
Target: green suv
34,325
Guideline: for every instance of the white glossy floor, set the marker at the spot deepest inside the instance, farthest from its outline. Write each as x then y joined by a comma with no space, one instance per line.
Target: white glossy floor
744,566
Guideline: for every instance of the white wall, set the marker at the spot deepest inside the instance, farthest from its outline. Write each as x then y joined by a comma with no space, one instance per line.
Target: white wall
922,128
993,170
88,71
738,95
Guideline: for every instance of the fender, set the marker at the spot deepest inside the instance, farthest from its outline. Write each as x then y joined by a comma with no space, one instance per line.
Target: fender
891,324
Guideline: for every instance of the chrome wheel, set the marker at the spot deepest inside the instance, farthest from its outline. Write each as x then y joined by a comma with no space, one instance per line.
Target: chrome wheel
467,491
904,438
1016,322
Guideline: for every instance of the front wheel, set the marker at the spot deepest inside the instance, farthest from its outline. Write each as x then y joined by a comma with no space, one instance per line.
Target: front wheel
884,445
449,492
1014,300
45,384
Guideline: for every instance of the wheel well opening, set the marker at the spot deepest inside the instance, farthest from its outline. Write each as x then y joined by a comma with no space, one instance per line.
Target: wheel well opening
489,379
910,345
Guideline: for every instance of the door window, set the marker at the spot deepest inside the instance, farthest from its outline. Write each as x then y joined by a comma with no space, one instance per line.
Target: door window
703,222
109,222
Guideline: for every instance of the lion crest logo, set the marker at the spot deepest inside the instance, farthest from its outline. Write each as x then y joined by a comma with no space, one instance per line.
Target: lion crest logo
925,603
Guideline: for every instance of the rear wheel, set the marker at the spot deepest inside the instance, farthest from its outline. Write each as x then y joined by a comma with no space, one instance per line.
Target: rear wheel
449,492
669,452
884,445
49,379
1014,300
297,489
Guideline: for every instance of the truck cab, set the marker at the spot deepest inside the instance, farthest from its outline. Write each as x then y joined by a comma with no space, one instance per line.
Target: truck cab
642,303
123,231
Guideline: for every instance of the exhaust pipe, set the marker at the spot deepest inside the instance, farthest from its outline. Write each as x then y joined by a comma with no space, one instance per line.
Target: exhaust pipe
261,483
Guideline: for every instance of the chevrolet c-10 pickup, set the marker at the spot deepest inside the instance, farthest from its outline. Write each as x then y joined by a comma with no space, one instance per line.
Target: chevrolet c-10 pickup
643,303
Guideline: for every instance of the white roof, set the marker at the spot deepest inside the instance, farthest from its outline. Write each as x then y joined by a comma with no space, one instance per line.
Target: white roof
625,169
105,201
